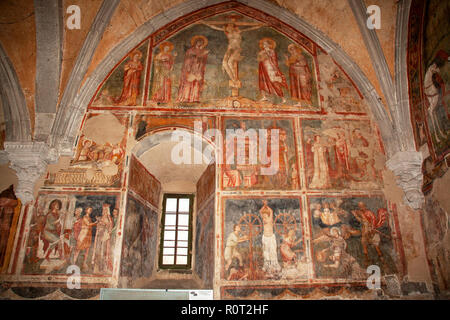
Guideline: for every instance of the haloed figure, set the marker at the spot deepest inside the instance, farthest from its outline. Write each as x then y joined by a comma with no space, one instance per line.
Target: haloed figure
52,229
300,79
271,80
162,82
84,239
193,71
131,80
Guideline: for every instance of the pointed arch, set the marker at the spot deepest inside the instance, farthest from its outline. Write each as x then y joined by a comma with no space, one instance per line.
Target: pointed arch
17,118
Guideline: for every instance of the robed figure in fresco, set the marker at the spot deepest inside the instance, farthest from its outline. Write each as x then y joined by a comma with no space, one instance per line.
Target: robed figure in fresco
321,175
271,80
434,89
101,258
300,79
52,229
269,241
162,83
193,70
84,237
8,201
131,80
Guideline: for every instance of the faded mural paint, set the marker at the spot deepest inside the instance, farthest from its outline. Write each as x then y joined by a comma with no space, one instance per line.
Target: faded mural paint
67,229
228,66
140,241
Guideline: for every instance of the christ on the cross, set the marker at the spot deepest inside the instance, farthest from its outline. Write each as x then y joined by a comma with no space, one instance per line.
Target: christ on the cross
232,56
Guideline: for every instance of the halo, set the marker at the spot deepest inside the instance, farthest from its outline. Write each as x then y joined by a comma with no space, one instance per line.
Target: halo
234,16
166,44
295,47
135,52
198,37
272,43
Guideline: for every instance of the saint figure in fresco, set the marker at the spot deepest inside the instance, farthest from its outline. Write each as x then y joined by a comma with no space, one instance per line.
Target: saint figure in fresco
75,230
115,218
101,259
51,234
321,176
434,88
8,201
193,70
230,249
232,56
342,155
36,229
84,239
162,82
131,80
370,236
335,257
359,154
271,80
269,241
288,255
300,79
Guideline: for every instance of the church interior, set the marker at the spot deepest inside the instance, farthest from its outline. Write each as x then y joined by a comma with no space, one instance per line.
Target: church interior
258,149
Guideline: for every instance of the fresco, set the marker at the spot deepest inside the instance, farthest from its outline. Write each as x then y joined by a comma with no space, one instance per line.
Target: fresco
143,182
230,67
263,240
248,176
339,93
242,59
436,76
9,212
340,154
204,243
428,73
349,234
436,232
145,123
124,87
140,240
206,185
67,229
269,70
99,155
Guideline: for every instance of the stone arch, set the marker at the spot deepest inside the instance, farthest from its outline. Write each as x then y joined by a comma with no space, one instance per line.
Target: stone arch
17,118
153,137
68,122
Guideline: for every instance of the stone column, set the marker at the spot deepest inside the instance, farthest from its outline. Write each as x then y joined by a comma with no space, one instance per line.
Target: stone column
407,166
29,160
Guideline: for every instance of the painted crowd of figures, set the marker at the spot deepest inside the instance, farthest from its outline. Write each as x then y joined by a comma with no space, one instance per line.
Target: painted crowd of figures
340,157
347,237
247,175
334,227
257,242
58,239
89,150
271,80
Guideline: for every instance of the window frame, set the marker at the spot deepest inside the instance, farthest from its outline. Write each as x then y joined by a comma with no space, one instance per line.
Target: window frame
178,196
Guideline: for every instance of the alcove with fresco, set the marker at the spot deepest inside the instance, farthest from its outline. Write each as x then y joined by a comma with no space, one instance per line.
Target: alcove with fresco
308,230
428,79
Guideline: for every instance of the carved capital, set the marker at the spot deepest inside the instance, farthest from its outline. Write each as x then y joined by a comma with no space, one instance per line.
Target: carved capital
407,166
29,160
